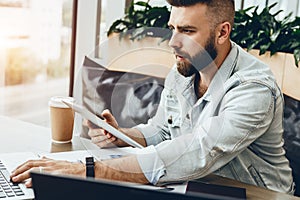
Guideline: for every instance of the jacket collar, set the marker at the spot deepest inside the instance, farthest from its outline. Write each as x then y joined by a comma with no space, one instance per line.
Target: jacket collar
223,74
216,86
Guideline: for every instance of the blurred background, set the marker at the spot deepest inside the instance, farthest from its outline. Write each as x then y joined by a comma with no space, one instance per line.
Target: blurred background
43,42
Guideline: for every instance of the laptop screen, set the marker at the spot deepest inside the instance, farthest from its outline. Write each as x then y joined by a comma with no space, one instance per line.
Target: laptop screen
49,187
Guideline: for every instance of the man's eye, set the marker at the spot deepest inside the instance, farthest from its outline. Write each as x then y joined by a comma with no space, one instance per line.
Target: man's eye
187,31
171,28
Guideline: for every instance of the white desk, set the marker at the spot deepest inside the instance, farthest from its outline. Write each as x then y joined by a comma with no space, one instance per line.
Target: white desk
18,136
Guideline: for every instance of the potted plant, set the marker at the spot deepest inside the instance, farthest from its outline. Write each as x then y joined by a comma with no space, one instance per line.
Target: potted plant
252,30
140,38
140,20
262,31
276,42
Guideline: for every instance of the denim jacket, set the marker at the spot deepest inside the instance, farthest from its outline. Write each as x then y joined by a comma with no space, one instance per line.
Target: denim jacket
234,130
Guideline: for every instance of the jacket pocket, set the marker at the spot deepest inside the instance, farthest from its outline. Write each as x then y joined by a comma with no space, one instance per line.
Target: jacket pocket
173,111
256,177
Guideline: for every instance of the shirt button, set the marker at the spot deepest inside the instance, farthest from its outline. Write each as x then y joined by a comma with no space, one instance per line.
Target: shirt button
187,116
170,120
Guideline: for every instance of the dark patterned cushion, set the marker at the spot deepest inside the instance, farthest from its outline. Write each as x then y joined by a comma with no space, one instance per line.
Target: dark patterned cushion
292,136
132,98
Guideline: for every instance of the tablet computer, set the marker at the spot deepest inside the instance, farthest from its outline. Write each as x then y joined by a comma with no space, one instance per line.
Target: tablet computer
101,123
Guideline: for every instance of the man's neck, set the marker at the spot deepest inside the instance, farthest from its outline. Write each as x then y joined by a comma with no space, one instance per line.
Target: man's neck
207,74
203,80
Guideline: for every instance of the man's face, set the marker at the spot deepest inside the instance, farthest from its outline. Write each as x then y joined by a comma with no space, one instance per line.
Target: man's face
193,41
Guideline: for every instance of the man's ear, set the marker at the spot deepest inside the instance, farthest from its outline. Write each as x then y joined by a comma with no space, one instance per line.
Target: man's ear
224,30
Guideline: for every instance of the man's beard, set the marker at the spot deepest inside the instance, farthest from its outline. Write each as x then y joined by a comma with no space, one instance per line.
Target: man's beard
200,61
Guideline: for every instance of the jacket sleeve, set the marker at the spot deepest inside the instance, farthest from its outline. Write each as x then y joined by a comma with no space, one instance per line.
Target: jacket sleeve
244,114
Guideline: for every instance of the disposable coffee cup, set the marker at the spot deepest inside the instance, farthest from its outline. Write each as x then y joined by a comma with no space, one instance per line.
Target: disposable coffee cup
62,119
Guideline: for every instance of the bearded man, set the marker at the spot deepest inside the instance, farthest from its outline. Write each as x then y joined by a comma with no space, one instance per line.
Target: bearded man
220,112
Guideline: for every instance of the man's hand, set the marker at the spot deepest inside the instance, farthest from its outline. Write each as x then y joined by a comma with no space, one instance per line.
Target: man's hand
101,137
22,172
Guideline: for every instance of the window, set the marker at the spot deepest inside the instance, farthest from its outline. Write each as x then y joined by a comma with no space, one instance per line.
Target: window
35,39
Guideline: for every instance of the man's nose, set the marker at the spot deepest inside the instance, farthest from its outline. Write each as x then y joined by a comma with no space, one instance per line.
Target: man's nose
176,40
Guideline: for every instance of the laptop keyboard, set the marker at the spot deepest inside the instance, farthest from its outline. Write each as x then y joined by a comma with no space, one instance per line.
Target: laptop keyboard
7,188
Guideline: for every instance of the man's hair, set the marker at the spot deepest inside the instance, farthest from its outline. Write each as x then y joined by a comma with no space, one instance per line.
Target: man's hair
219,11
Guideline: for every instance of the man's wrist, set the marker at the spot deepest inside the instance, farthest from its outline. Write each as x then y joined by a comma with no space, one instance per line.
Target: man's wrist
134,134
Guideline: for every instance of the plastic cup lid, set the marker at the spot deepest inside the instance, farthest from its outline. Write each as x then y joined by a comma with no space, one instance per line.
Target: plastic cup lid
57,101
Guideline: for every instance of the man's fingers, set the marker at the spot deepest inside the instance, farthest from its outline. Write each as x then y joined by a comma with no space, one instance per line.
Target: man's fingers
27,165
106,143
109,118
85,122
99,132
107,115
20,177
98,139
96,132
99,136
28,183
22,172
108,135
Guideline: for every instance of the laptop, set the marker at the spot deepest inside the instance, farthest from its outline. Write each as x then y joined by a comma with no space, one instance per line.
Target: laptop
49,187
223,191
9,161
9,190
